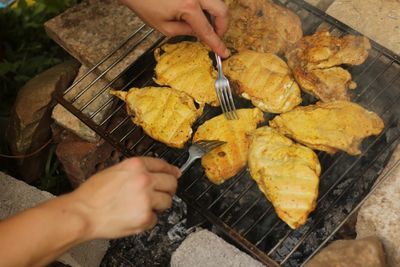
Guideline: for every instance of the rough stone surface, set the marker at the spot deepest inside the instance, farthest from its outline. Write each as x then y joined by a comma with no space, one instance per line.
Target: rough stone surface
70,122
16,196
204,248
81,159
367,252
103,102
380,214
92,29
29,126
321,4
377,19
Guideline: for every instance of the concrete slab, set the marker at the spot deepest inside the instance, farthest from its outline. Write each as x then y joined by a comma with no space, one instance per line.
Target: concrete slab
377,19
205,249
380,214
16,196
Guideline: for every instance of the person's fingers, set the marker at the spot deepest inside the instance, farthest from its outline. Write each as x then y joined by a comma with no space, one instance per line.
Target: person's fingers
219,10
174,28
154,165
165,183
149,221
161,201
203,29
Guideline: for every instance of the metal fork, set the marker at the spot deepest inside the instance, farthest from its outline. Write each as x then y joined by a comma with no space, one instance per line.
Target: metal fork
223,89
199,149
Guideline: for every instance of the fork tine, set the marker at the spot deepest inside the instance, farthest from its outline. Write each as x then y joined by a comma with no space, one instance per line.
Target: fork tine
215,145
225,103
230,105
205,144
201,143
208,145
222,101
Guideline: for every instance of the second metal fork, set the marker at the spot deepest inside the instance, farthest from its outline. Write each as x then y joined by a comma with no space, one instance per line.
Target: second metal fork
199,149
224,93
223,89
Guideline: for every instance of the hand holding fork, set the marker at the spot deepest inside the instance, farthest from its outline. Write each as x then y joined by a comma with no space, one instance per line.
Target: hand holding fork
223,89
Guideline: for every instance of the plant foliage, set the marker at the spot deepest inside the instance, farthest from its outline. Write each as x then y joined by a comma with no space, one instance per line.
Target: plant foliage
25,49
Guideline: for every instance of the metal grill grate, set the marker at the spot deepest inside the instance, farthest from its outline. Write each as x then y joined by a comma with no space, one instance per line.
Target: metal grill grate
237,207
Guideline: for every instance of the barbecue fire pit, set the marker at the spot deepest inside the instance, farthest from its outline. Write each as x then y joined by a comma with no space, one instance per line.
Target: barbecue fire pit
238,210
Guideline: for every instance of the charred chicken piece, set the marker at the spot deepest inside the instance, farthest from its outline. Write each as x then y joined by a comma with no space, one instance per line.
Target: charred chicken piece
314,60
331,126
261,25
225,161
265,79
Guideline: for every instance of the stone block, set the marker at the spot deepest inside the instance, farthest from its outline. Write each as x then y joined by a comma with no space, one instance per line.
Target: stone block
367,252
203,248
380,214
321,4
102,102
81,159
93,28
16,196
29,126
378,20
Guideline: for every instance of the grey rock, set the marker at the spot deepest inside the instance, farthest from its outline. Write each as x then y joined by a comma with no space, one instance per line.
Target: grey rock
17,196
321,4
370,17
205,249
367,252
92,29
29,126
380,214
102,102
70,122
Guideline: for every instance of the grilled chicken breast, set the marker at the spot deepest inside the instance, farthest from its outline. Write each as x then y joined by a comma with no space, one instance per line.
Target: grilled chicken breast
314,61
329,126
186,67
262,26
265,79
164,114
287,173
225,161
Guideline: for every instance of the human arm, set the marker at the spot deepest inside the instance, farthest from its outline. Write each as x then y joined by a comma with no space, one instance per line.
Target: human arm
119,201
185,17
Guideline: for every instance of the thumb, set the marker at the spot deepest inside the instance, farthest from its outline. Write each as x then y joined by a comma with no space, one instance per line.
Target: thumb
174,28
203,29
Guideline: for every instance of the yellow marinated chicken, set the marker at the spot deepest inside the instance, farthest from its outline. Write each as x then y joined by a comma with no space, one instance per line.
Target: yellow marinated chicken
314,60
331,126
186,67
265,79
262,26
287,173
164,114
225,161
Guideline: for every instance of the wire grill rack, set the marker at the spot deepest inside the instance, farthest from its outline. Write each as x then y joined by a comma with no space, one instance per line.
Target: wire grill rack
237,207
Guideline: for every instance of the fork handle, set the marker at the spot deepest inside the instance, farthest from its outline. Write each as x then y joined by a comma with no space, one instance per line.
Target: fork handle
219,63
187,164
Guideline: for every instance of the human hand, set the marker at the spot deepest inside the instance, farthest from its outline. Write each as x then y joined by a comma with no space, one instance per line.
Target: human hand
185,17
124,199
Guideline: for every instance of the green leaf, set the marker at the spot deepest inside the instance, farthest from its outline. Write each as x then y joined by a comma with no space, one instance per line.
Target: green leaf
7,67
